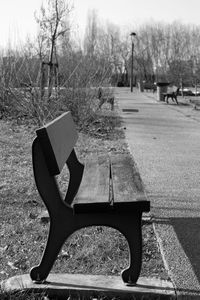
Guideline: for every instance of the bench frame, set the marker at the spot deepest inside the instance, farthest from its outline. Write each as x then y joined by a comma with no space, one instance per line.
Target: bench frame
105,99
66,217
148,86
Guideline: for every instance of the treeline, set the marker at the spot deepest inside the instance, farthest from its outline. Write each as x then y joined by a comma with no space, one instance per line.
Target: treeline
170,51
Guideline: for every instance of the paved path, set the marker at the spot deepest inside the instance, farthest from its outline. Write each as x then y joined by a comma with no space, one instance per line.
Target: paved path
165,143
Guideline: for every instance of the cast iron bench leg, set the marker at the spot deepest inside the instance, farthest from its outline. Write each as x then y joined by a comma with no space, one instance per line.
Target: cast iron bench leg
133,234
53,246
130,226
58,233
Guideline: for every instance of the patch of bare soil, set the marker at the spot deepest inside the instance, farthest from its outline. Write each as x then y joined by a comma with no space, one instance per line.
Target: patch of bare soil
95,250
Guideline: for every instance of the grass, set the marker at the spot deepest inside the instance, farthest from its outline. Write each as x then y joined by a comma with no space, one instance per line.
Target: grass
95,250
24,296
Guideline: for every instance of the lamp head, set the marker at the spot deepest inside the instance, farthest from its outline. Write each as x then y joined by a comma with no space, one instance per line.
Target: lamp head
133,34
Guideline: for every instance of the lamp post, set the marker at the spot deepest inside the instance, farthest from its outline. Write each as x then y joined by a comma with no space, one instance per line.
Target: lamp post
133,34
195,73
155,74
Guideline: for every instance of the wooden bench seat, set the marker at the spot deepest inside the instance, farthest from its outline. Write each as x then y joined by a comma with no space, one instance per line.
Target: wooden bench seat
109,185
105,191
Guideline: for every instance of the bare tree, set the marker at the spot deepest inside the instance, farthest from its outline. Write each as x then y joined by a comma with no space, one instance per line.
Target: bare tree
53,25
91,31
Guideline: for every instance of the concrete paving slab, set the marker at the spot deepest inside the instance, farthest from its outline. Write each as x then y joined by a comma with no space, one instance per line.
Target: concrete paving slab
164,141
93,285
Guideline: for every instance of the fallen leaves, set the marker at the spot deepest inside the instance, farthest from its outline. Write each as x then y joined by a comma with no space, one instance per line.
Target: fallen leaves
3,249
11,265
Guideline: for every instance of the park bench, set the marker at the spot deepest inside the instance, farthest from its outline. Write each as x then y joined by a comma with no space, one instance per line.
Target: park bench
105,98
148,86
172,92
101,192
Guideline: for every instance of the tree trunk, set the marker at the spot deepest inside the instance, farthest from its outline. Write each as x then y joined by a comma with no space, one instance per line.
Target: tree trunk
42,80
50,69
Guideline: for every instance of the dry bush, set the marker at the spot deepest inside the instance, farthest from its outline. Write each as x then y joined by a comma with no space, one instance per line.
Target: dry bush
21,95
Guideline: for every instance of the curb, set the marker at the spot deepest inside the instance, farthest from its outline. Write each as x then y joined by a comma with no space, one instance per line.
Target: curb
95,286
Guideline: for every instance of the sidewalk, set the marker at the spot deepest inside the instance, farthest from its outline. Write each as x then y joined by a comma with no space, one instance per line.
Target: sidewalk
165,143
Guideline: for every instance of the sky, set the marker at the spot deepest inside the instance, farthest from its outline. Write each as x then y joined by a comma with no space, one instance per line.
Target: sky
17,16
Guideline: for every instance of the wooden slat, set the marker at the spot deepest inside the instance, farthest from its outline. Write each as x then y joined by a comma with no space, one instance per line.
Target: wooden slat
97,189
94,187
57,140
127,185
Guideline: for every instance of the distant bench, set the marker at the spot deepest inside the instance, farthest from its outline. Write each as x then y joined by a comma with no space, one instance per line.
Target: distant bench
105,98
148,86
172,92
104,192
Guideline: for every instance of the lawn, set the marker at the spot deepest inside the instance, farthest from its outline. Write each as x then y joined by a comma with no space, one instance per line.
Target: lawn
95,250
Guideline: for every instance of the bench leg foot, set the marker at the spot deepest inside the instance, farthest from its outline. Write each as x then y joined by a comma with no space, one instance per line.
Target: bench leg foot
54,244
134,239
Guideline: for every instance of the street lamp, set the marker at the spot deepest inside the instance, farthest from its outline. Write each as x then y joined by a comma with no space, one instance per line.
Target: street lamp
155,73
133,34
195,73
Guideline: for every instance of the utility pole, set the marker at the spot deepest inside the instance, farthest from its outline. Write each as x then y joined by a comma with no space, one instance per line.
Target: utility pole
132,49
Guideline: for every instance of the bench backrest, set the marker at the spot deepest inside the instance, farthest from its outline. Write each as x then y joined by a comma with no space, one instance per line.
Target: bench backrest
57,140
149,85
